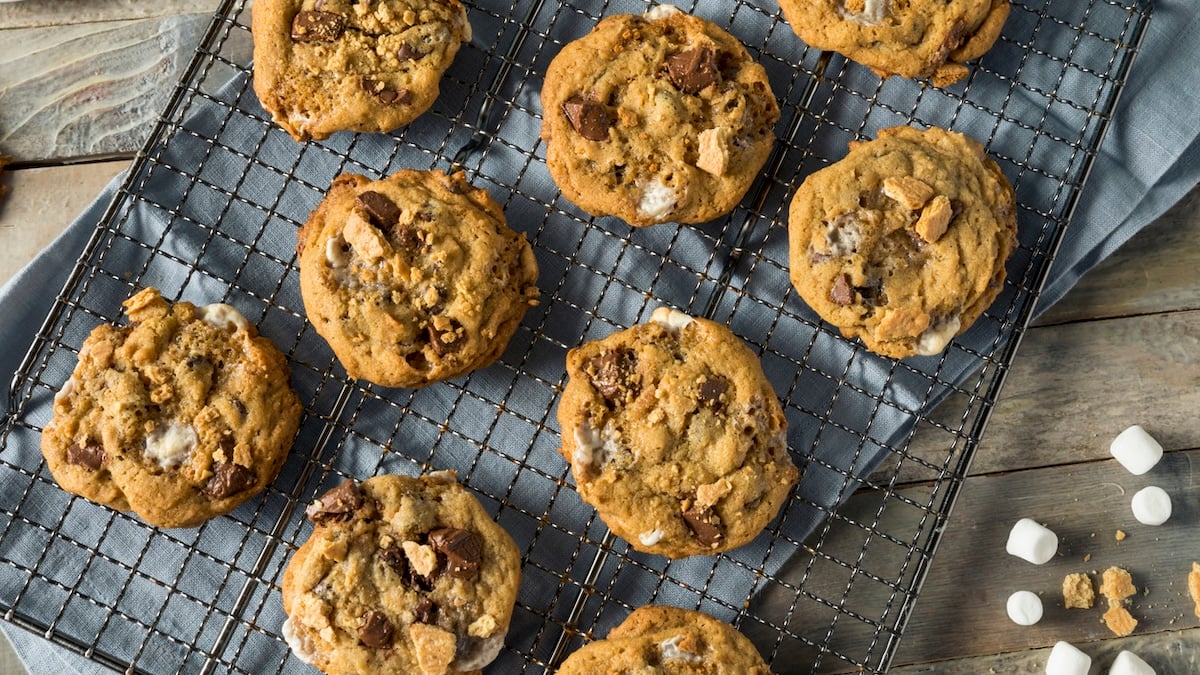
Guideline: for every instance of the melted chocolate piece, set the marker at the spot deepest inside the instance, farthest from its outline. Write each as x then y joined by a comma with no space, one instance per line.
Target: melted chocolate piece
426,611
693,70
393,556
463,550
375,630
440,345
589,118
337,504
407,52
316,26
228,479
90,457
842,292
386,94
610,373
705,525
381,210
712,390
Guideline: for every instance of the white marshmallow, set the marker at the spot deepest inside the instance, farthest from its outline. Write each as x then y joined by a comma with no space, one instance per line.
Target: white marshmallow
1136,450
1030,540
1151,505
1128,663
1024,608
1066,659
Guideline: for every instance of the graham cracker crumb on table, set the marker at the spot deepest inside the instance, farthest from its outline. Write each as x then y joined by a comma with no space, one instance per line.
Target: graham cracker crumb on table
1120,621
1116,584
1078,591
1194,585
1120,535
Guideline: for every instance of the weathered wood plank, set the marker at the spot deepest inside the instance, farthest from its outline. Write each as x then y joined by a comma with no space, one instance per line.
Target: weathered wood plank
1074,387
33,13
89,89
1174,653
1158,270
961,610
40,203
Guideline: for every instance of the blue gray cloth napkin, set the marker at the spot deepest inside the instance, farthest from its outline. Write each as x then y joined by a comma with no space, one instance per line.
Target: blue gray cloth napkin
1150,158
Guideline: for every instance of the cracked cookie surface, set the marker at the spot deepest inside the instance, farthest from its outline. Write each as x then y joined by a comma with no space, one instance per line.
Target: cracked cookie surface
322,66
662,117
668,641
675,436
179,416
903,242
910,38
415,278
400,575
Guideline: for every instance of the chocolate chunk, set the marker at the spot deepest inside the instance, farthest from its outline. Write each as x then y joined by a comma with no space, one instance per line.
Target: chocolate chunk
712,390
228,479
337,504
611,374
426,611
842,292
384,93
380,209
195,361
240,407
705,524
589,118
693,70
872,294
393,556
873,200
90,457
448,341
375,630
407,52
315,26
463,550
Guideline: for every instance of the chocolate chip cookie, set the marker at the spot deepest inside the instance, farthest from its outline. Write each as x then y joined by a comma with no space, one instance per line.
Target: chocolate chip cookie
322,66
670,641
675,436
400,575
414,278
911,38
903,243
179,416
657,118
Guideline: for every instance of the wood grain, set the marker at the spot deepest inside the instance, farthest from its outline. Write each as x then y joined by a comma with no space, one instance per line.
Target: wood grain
63,12
40,203
90,89
1085,504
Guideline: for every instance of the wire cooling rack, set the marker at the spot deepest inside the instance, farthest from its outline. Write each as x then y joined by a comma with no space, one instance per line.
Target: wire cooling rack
209,212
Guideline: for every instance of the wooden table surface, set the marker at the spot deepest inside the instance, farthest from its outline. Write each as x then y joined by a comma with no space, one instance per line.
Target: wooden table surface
81,81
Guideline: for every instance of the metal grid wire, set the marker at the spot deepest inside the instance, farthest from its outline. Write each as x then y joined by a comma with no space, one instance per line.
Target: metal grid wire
209,213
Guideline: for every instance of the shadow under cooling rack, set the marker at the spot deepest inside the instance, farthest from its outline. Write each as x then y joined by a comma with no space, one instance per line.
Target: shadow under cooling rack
209,213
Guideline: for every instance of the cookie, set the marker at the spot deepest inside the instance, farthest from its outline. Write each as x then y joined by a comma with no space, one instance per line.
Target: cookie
675,436
414,278
179,416
657,118
911,38
670,641
903,242
400,575
322,66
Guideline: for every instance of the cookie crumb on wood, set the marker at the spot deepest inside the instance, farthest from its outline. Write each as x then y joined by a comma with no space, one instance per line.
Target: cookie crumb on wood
1120,621
1078,591
1117,584
1120,535
1194,585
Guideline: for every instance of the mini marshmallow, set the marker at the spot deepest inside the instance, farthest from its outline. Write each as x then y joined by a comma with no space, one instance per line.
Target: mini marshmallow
1151,505
1128,663
1030,540
1136,450
1024,608
1066,659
